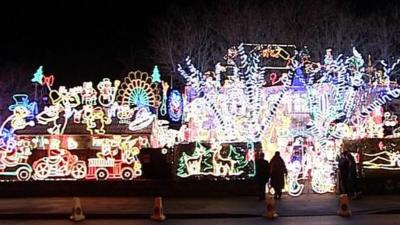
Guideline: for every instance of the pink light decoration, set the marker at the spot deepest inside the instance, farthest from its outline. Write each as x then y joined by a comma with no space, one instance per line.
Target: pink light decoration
48,80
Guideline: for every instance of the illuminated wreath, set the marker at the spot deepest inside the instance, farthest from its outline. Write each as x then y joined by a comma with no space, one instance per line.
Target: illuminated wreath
138,90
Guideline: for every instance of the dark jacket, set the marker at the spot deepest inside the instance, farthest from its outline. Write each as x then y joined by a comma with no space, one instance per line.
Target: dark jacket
262,171
277,172
344,174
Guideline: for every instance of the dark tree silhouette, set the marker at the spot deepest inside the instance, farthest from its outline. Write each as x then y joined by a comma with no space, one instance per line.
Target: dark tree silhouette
205,31
14,79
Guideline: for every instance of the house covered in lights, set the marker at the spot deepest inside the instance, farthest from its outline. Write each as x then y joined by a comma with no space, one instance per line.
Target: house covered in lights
262,98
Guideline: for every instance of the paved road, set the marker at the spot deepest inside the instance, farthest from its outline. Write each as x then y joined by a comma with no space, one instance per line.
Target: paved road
306,220
141,207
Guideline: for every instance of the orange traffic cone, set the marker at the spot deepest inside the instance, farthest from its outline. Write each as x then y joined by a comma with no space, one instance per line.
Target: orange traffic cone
77,212
270,212
344,206
158,212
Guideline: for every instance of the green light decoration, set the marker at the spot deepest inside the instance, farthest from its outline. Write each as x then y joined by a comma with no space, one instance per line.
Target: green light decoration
138,89
139,97
217,161
37,77
250,157
156,75
182,171
239,155
207,162
356,60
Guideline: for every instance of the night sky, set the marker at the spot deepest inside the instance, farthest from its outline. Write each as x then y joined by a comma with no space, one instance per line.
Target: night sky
77,40
85,40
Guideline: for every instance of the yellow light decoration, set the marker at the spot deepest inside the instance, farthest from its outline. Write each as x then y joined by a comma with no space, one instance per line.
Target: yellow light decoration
210,161
107,92
386,160
106,166
97,116
125,114
143,119
88,93
138,90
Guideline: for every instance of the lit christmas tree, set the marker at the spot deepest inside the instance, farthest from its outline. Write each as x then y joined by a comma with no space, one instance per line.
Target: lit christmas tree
156,75
238,156
182,170
37,77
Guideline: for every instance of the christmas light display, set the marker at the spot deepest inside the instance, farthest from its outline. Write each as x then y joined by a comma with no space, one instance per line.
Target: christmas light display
37,77
107,92
163,107
175,105
14,161
138,90
328,101
48,80
162,136
303,109
217,161
59,163
387,158
97,116
156,75
88,108
143,118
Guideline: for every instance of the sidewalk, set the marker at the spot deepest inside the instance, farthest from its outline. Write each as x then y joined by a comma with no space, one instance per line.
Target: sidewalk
188,207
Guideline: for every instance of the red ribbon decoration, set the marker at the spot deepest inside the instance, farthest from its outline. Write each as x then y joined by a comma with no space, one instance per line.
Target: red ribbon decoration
48,80
272,78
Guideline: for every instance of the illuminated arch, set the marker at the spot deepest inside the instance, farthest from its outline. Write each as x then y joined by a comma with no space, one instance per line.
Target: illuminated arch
138,90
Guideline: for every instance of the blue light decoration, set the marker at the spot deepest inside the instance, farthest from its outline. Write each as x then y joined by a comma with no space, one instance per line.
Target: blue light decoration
22,100
23,110
5,136
298,79
138,90
37,77
156,75
139,97
175,105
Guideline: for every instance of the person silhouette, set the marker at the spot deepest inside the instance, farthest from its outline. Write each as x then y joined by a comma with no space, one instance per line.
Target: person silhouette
262,175
277,172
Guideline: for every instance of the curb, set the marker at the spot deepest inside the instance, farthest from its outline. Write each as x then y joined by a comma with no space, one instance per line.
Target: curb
47,216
